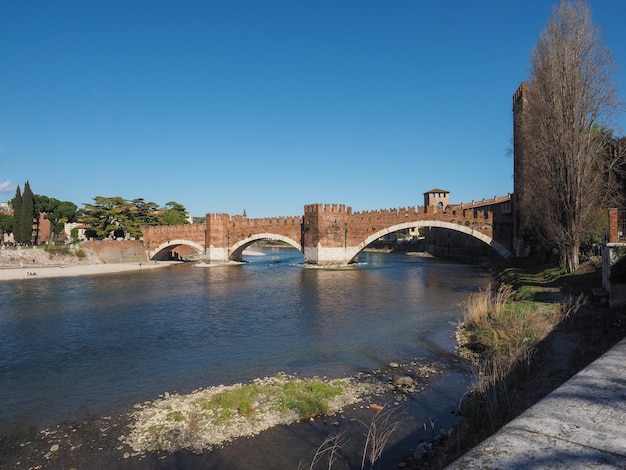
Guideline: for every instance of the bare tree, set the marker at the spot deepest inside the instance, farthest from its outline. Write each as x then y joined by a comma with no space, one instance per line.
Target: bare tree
571,100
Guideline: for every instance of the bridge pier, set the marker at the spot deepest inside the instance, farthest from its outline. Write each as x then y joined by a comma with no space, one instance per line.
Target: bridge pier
218,255
328,256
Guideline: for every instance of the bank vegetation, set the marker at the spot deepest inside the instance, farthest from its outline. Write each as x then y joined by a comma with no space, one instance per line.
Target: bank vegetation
211,417
524,338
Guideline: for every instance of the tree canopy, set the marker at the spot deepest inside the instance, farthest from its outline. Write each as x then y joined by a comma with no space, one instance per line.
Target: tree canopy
6,223
57,212
116,216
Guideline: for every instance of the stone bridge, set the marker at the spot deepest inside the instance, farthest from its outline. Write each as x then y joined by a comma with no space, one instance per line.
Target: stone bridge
329,233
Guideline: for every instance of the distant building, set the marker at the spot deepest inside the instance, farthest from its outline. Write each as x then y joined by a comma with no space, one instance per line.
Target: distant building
5,208
80,231
42,230
439,198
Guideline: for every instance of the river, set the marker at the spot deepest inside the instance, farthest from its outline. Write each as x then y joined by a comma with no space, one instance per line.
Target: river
92,345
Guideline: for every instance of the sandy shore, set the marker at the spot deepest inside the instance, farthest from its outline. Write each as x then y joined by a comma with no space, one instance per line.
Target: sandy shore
32,272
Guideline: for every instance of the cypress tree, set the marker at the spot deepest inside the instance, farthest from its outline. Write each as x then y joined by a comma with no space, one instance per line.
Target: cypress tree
27,213
17,221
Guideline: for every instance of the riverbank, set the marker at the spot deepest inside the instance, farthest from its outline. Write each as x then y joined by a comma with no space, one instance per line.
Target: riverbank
104,442
39,262
37,271
577,340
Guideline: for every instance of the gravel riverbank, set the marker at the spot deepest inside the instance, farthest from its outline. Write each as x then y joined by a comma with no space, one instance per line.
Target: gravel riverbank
104,442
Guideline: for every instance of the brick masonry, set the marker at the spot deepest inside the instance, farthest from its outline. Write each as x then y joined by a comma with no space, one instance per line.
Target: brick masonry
332,233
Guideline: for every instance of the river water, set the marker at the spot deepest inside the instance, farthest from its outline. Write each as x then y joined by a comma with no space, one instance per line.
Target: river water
93,345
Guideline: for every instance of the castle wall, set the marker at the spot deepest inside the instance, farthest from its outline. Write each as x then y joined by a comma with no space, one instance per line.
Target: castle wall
332,232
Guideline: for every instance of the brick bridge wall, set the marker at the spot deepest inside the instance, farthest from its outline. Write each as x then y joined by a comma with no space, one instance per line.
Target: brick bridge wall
329,232
335,225
225,230
332,233
155,236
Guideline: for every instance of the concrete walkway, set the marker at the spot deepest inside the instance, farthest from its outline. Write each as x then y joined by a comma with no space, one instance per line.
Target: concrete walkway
580,425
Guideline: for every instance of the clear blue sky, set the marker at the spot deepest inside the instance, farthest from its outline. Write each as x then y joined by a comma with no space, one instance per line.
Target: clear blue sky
268,105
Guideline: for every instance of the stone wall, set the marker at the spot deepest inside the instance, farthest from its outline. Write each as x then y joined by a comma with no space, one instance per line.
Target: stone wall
117,251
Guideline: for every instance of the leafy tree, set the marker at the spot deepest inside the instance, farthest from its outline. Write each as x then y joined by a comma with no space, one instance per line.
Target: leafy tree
6,223
59,214
571,98
174,214
138,213
145,212
105,215
118,216
42,204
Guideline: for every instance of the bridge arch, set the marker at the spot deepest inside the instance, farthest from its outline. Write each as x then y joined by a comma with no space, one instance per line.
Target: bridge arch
174,243
500,249
236,251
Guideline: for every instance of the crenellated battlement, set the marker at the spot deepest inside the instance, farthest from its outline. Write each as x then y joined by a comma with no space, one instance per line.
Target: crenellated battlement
389,213
240,221
520,94
163,230
327,209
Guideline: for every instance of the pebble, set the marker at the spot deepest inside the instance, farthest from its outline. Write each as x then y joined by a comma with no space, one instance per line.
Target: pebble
393,365
126,455
54,448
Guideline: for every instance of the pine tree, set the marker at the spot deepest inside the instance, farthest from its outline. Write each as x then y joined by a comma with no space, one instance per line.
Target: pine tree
17,210
27,214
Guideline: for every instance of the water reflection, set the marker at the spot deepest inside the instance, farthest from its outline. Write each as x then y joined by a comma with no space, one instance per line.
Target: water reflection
98,344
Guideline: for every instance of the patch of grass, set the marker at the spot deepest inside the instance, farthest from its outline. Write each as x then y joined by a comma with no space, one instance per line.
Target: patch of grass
239,399
527,276
57,250
308,398
175,416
